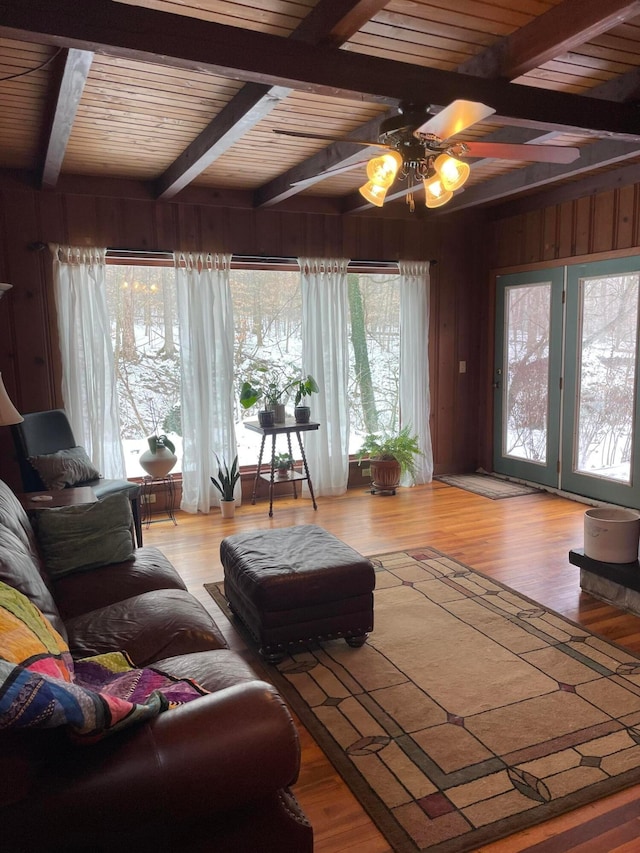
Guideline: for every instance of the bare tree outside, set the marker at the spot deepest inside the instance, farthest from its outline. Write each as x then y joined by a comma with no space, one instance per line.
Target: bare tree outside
526,372
147,358
607,367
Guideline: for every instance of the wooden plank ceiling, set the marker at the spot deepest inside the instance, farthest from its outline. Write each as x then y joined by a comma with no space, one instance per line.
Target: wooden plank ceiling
182,94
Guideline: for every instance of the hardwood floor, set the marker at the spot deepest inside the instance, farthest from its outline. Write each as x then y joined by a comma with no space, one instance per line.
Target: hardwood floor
523,542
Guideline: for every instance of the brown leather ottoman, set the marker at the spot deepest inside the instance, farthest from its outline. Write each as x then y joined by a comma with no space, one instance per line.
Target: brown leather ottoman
296,584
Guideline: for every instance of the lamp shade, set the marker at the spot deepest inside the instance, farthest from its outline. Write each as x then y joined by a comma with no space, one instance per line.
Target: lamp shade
453,173
374,193
8,412
435,194
383,170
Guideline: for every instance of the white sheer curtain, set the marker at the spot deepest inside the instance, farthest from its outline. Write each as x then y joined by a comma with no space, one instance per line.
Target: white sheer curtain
205,319
325,355
415,401
88,375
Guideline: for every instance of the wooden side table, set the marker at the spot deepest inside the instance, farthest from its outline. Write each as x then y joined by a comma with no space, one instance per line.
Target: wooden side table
288,427
57,497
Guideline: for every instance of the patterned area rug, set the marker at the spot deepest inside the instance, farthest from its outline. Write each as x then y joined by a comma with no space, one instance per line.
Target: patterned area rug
471,712
487,486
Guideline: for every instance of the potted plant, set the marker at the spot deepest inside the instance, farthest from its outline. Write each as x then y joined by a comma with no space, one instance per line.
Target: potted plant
225,483
272,386
390,456
304,387
283,463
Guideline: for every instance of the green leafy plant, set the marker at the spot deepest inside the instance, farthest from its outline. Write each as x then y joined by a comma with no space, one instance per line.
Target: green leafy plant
157,441
227,478
271,384
283,461
304,387
401,446
266,383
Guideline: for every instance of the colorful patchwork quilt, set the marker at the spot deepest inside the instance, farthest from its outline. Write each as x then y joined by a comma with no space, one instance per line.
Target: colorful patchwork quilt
41,685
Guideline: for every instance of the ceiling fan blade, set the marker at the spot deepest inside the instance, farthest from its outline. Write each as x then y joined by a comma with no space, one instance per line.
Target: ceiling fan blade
455,118
535,153
330,173
303,135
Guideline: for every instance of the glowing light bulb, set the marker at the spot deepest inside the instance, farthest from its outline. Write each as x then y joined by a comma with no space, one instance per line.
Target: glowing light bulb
453,173
383,170
373,193
435,194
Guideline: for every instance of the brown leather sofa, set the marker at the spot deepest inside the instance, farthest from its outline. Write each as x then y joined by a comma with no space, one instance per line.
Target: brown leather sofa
210,775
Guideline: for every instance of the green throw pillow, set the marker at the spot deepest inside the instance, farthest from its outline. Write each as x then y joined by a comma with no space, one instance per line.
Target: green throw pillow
65,468
83,537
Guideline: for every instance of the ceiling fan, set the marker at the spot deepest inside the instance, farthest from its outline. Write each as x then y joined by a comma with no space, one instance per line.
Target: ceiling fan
419,148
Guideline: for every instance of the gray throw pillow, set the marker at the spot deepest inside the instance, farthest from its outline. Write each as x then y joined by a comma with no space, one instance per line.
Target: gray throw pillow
65,468
83,537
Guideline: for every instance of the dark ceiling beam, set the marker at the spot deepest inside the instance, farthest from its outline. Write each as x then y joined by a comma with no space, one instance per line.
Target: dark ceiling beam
247,107
335,21
77,64
557,31
329,21
149,35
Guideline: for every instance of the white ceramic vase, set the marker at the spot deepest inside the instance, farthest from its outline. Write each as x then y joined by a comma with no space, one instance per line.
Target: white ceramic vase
158,464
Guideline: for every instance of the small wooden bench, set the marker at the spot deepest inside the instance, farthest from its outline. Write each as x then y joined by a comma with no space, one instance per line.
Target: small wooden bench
296,585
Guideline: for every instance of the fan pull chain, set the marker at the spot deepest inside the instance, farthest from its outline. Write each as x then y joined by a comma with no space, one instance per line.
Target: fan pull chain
411,202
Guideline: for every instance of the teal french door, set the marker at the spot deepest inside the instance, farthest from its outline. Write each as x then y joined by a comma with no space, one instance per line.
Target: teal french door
566,386
527,375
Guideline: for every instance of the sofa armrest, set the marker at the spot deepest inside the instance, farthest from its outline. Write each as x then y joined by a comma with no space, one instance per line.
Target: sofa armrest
209,756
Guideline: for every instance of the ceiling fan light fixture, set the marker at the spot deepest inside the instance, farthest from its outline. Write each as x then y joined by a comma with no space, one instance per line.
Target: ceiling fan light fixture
382,170
373,193
453,173
435,193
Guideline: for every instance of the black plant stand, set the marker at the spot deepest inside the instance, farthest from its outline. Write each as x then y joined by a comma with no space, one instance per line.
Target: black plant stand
288,427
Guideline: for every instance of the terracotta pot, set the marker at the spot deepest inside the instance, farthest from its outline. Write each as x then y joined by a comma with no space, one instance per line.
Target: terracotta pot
158,464
282,473
385,474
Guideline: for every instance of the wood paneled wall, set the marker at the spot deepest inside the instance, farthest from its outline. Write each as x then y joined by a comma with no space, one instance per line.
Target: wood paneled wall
120,216
588,227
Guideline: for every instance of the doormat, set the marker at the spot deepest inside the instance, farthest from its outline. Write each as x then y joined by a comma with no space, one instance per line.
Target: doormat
487,486
472,712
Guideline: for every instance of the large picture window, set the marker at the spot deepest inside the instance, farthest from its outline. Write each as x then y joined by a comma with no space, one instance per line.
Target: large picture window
267,311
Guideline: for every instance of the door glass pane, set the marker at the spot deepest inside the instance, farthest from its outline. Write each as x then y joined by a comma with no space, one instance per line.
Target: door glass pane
525,403
607,366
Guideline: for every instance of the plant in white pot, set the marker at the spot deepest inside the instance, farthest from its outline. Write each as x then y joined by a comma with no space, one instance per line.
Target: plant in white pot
225,483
